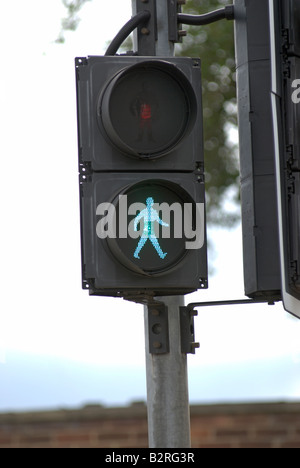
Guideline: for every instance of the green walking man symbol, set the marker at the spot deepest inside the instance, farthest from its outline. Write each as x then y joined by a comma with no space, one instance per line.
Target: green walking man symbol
150,216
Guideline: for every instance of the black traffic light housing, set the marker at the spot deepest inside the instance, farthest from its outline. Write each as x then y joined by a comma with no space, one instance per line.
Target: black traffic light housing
104,85
141,145
109,264
285,44
262,275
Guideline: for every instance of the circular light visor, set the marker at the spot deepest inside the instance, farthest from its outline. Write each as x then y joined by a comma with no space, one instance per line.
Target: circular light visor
148,109
151,216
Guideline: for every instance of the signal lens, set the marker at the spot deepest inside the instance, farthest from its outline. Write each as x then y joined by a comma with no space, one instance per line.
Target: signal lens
148,109
154,217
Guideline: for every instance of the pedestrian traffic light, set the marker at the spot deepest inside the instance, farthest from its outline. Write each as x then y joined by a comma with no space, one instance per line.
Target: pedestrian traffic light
285,48
144,107
141,175
262,275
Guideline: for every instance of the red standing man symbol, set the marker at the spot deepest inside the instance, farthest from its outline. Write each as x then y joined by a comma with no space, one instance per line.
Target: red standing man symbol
144,108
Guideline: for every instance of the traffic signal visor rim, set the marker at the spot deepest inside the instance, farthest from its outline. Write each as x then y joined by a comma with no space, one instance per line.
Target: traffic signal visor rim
147,109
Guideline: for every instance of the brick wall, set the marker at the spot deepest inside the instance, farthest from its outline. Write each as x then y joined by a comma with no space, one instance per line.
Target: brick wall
246,426
272,425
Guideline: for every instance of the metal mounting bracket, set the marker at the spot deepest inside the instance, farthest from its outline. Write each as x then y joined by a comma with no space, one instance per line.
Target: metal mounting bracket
263,300
158,328
147,34
158,325
188,344
175,29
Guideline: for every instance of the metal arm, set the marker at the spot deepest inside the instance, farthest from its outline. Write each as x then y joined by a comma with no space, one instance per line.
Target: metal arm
201,20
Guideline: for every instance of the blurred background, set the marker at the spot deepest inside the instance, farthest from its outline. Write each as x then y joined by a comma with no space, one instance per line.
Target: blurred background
58,346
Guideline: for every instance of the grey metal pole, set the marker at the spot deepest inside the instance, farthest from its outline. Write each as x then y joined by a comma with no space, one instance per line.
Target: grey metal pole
164,48
167,387
167,380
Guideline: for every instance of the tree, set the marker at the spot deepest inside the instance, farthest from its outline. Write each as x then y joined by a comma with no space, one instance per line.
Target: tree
214,44
72,19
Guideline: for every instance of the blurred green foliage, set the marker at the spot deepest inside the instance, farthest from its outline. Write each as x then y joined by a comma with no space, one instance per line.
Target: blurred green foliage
72,18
